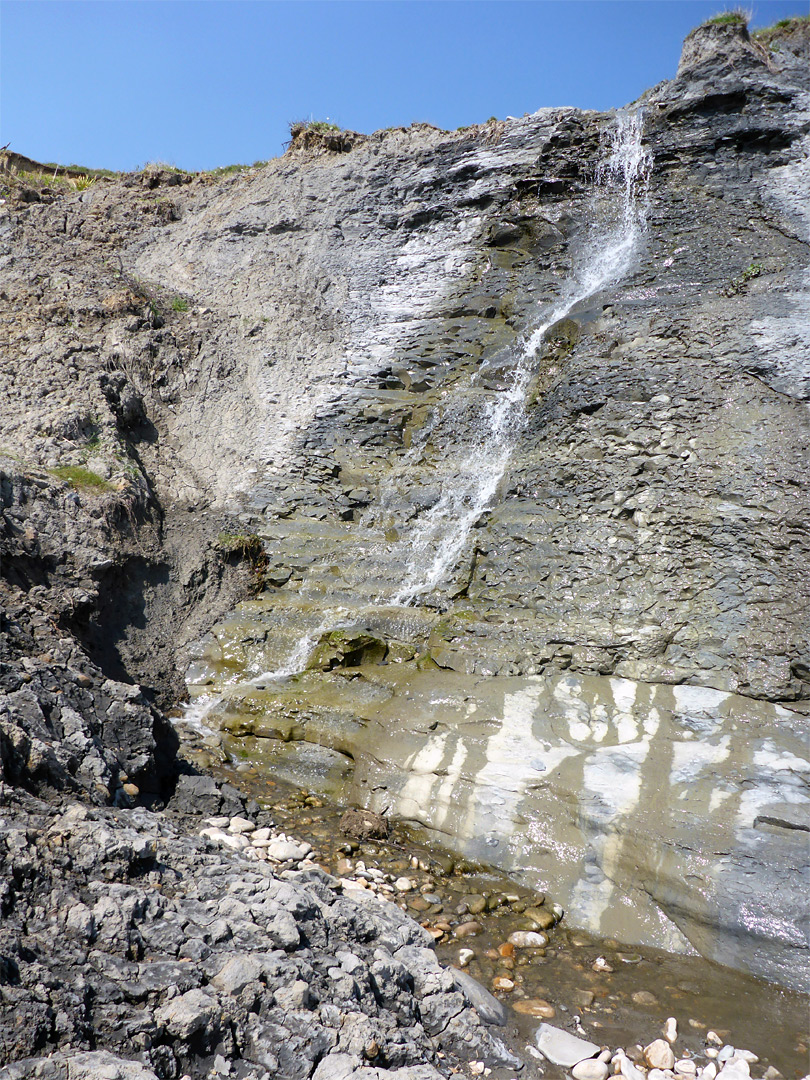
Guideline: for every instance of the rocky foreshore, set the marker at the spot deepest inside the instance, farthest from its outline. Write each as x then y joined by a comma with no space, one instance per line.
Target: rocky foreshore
128,938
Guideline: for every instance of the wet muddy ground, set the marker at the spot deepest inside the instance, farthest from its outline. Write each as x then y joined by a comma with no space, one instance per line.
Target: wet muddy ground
614,995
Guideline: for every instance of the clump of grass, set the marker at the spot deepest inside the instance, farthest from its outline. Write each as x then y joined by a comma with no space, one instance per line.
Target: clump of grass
738,284
82,183
737,17
79,477
179,304
245,545
767,33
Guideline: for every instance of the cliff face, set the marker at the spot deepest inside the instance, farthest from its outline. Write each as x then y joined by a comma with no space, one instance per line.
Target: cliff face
320,351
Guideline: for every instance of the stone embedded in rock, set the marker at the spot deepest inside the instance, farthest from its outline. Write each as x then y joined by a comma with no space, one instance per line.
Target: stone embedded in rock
296,996
562,1048
183,1016
237,973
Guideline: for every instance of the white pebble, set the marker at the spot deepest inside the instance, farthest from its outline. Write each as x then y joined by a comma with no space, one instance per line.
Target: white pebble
528,939
708,1072
713,1039
223,839
284,850
671,1029
261,834
686,1067
464,957
218,822
403,884
590,1069
241,825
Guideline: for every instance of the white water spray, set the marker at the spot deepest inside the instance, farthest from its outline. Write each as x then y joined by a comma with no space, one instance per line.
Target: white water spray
439,538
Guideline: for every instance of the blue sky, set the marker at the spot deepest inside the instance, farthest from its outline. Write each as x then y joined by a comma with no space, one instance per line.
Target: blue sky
118,83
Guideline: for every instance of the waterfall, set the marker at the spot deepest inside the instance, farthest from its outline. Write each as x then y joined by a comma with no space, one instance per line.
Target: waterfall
482,427
440,536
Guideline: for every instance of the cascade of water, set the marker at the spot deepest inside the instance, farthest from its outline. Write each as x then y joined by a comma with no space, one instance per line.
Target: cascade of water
483,430
440,536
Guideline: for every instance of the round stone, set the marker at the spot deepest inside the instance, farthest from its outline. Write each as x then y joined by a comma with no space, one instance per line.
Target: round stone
535,1007
528,939
590,1069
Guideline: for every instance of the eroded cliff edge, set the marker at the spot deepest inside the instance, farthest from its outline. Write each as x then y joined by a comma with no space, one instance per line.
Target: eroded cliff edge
259,353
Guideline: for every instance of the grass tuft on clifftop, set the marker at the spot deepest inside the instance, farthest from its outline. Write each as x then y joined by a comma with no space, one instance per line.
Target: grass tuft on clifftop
737,17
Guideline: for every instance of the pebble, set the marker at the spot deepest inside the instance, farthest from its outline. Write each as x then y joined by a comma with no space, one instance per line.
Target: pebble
601,964
535,1007
500,982
627,1068
590,1069
644,997
659,1055
468,929
541,918
528,939
476,905
465,956
735,1069
403,884
241,825
583,998
285,850
685,1067
671,1029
